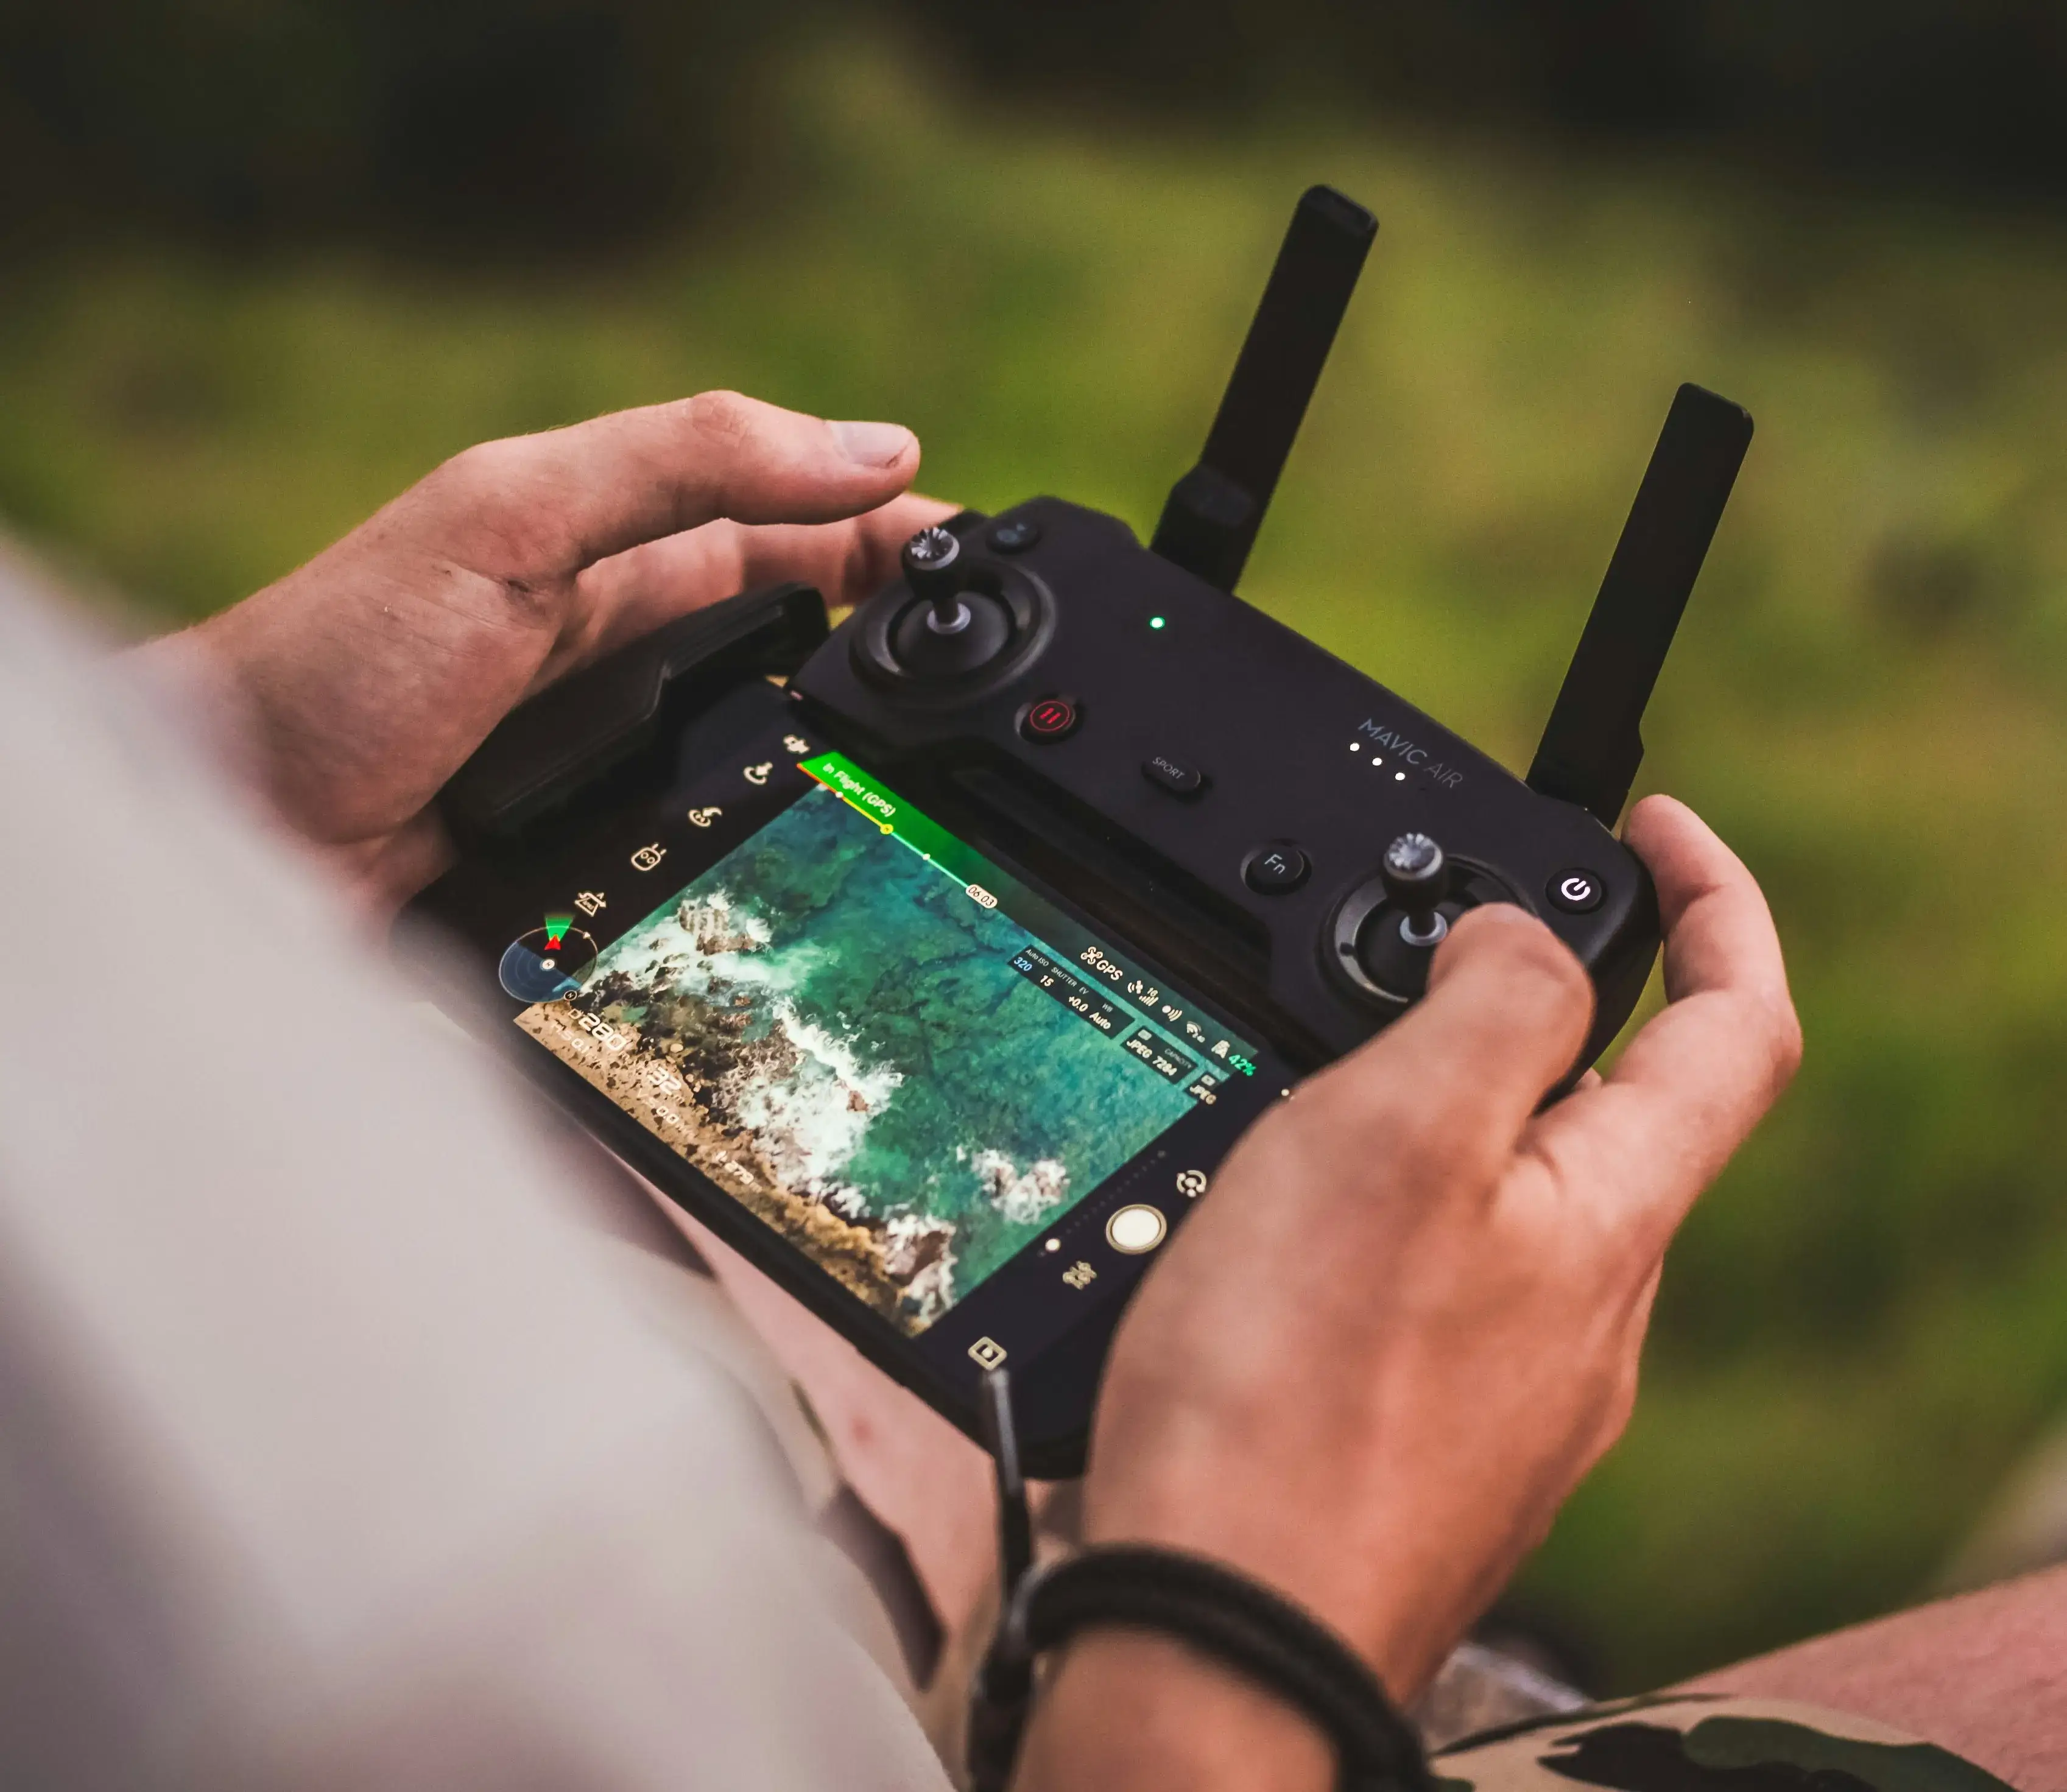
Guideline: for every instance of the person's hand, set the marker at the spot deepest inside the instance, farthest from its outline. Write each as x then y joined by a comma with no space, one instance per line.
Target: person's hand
1406,1318
363,680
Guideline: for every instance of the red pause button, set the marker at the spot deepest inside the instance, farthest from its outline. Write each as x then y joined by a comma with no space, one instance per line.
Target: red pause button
1048,718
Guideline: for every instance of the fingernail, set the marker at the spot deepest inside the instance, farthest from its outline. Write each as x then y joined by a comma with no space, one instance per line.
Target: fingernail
873,444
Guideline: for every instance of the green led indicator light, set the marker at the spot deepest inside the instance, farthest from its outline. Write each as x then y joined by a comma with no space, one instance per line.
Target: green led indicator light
1156,621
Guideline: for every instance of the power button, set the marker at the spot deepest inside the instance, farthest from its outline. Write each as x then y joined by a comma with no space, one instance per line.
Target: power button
1576,891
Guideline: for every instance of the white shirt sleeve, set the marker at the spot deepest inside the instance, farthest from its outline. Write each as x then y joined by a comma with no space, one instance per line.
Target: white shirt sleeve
329,1455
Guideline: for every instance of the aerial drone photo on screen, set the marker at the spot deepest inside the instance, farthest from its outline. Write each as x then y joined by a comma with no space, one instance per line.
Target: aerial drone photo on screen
829,1027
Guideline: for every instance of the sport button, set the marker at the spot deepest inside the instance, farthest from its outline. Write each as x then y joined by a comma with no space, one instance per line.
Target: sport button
1576,891
1048,718
1173,775
1274,868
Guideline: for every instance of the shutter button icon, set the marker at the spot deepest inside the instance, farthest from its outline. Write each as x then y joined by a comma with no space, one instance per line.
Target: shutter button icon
1135,1229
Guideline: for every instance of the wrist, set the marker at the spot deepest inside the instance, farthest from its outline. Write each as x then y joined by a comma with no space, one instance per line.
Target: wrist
1130,1709
1379,1598
1330,1578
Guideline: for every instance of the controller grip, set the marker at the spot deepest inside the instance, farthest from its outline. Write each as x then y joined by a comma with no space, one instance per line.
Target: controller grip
571,734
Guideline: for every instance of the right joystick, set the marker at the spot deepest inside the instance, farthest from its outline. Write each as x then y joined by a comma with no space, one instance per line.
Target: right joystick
1417,878
1384,938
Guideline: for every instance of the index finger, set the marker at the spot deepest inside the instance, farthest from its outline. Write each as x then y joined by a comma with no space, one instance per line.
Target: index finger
624,597
1687,1090
543,507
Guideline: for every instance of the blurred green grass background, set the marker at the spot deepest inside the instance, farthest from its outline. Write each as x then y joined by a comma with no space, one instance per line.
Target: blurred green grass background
1863,1325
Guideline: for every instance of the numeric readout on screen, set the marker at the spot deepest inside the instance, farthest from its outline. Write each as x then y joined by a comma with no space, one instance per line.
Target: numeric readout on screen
1089,1004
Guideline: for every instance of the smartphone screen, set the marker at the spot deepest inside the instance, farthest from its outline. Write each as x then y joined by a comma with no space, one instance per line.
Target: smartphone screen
925,1091
875,1038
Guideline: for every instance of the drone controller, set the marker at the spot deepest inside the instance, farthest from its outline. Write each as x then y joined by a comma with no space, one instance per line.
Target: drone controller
1222,851
1308,836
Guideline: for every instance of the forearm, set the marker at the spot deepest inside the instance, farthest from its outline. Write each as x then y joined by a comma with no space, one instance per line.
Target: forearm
1985,1675
1129,1712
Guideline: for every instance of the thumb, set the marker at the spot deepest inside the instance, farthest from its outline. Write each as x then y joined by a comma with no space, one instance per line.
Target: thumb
541,508
1454,1080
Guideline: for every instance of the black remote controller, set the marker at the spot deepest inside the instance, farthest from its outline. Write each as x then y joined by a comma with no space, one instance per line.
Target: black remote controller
1166,749
1234,813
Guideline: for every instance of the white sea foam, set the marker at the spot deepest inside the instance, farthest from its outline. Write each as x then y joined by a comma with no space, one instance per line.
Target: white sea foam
810,1123
919,1252
700,943
1021,1197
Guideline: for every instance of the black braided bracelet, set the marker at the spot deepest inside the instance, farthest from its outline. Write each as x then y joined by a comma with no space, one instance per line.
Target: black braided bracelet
1220,1613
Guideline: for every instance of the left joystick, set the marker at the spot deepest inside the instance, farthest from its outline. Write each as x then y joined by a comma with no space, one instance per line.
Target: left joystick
933,568
959,626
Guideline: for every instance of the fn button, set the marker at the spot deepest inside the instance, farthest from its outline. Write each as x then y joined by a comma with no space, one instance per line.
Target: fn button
1275,868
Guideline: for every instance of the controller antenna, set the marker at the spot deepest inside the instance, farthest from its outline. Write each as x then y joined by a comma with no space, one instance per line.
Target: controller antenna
1210,521
932,561
1593,743
1417,877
